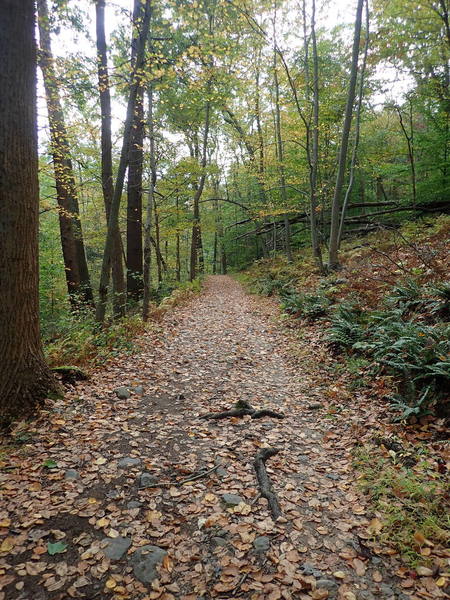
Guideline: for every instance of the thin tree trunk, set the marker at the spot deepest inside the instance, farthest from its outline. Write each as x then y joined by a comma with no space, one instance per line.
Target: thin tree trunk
333,261
150,200
280,150
25,379
134,205
157,243
196,242
357,129
118,188
177,245
410,143
76,268
106,149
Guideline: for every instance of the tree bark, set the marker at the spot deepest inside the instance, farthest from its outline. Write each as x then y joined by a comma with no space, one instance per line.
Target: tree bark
280,150
333,261
106,150
149,212
120,178
25,379
75,263
134,205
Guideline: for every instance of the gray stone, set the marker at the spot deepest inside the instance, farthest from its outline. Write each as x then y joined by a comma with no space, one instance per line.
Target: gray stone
122,393
128,462
113,494
388,592
147,480
144,562
232,499
261,543
116,547
333,476
138,390
134,504
366,595
309,569
327,584
314,406
71,474
221,472
218,541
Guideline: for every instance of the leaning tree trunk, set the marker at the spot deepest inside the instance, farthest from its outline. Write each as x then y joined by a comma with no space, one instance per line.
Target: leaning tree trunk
25,379
123,163
76,268
106,144
333,261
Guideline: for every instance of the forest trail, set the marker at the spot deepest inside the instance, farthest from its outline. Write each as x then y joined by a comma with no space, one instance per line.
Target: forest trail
85,481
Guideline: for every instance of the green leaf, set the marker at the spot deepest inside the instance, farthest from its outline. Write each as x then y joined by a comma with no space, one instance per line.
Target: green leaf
50,464
56,548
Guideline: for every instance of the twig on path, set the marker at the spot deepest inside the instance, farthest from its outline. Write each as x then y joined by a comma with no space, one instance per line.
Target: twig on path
183,481
242,408
264,482
243,578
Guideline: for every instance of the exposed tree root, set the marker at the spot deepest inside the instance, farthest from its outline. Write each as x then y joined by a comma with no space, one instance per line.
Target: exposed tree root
265,485
242,408
183,481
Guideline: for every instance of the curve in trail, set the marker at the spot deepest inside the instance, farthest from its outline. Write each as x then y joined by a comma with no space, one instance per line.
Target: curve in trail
117,486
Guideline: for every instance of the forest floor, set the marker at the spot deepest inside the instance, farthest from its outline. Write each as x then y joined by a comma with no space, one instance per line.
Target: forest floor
95,498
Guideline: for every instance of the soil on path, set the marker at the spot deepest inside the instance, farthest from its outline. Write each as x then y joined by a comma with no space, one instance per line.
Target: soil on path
101,475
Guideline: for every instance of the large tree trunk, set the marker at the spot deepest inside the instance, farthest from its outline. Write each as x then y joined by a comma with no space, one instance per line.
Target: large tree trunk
333,261
25,379
76,269
123,162
106,144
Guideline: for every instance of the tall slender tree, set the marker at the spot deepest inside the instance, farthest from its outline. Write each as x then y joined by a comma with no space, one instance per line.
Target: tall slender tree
113,220
333,261
25,379
76,268
106,151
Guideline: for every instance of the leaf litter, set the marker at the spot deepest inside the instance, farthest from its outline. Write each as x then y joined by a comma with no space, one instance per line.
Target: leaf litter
149,475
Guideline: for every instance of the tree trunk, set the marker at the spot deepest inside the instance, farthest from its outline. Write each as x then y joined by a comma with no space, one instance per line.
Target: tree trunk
196,241
333,261
25,379
134,205
357,129
76,268
280,151
115,205
106,145
150,199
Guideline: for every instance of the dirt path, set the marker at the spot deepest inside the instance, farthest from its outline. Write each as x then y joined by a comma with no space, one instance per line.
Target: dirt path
78,484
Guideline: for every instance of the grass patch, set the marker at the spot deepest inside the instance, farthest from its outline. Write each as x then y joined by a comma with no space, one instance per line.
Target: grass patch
411,503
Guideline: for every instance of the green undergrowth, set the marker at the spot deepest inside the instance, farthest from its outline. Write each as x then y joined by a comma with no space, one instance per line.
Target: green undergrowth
76,338
393,316
410,501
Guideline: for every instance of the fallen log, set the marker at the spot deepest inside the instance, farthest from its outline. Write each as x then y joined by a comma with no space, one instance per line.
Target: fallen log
264,482
241,409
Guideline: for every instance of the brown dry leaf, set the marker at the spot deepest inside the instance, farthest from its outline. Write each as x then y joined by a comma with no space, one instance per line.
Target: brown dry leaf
359,566
377,576
375,526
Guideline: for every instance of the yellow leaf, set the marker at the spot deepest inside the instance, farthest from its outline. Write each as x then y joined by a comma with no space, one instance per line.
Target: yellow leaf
375,526
339,574
92,500
5,523
7,544
441,581
102,522
100,461
111,584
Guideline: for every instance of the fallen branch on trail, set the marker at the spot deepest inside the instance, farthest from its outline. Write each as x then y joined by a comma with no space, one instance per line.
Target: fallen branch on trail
193,477
242,408
264,482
